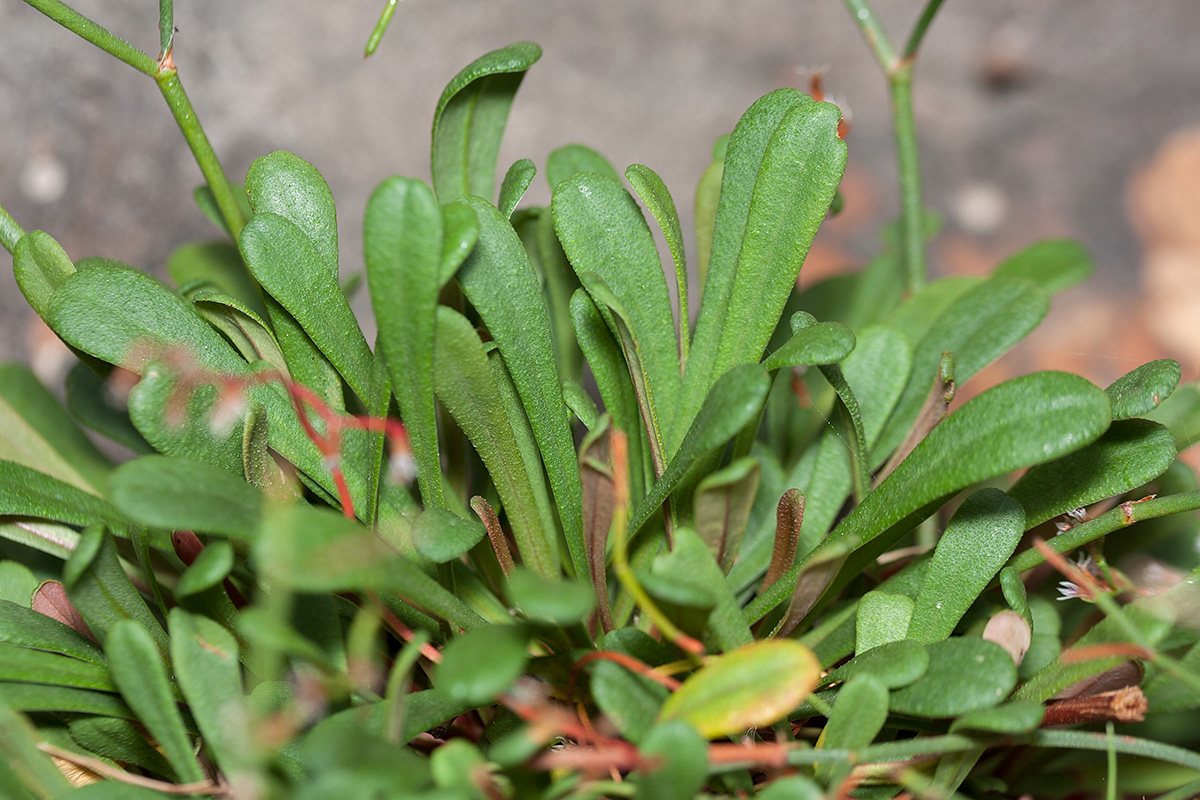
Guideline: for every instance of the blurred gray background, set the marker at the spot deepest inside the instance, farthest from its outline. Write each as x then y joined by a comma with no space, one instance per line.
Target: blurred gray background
1033,115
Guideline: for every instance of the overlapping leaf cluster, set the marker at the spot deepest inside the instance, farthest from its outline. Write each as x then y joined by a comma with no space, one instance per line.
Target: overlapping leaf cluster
630,538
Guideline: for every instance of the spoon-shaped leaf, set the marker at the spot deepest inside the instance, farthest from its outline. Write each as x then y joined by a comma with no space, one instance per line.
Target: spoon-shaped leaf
1131,453
1022,422
519,323
981,536
470,119
180,494
140,673
402,246
753,686
1140,391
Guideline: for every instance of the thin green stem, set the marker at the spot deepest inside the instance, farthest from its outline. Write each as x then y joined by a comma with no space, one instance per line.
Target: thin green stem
899,73
1122,516
206,158
10,231
385,19
83,27
908,161
873,32
919,29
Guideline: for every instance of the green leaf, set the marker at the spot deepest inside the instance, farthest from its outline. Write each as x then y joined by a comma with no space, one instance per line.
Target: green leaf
36,697
603,233
125,317
883,618
1131,453
658,201
284,184
18,741
571,159
98,586
704,209
723,500
466,386
22,626
858,716
184,429
141,674
25,492
205,656
118,739
292,267
17,582
782,168
89,401
794,787
441,536
34,424
1181,413
403,245
629,701
918,313
243,327
812,343
41,267
983,533
1141,390
878,370
556,602
964,674
1011,719
515,184
306,363
177,494
893,664
210,568
218,264
690,565
734,401
682,768
481,664
1053,264
619,323
520,326
470,119
612,376
753,686
308,549
38,666
1037,417
461,232
977,328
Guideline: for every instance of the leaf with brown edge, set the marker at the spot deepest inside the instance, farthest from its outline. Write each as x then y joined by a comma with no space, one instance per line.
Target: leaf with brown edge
753,686
789,517
51,599
598,499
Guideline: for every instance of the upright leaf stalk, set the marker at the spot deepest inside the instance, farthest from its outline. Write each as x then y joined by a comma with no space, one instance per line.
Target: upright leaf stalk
165,75
899,72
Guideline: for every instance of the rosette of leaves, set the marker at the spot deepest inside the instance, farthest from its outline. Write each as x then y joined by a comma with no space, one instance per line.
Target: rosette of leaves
640,556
